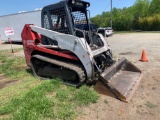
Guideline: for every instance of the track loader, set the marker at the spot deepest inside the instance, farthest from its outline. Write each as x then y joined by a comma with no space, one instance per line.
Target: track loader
67,47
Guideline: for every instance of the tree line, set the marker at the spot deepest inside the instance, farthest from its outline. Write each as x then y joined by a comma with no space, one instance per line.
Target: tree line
143,15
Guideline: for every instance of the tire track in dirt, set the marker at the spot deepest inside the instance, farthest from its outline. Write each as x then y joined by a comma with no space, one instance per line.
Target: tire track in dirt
4,81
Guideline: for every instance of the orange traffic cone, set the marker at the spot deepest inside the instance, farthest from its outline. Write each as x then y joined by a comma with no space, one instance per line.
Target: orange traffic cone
143,58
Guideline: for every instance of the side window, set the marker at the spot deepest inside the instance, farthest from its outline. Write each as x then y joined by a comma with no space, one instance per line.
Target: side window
54,19
59,20
46,22
79,17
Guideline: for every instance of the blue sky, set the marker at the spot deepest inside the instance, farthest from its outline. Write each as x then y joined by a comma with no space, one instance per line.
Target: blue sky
97,6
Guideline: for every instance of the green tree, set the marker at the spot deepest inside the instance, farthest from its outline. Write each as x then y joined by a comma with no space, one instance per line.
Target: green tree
143,15
154,7
140,9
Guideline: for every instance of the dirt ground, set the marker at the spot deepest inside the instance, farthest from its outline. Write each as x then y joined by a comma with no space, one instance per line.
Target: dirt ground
4,46
4,81
145,103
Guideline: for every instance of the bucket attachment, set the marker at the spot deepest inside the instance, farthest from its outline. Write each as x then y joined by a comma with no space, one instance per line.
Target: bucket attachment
122,78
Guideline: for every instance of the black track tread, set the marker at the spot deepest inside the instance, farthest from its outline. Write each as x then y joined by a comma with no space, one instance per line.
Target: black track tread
75,67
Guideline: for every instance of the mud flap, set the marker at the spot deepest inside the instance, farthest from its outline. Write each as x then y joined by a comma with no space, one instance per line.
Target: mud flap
122,78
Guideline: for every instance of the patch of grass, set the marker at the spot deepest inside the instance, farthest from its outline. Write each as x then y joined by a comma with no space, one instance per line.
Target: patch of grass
85,96
62,95
10,65
36,105
151,105
34,99
65,111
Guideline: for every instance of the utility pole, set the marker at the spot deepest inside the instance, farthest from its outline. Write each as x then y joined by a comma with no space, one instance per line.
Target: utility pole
111,13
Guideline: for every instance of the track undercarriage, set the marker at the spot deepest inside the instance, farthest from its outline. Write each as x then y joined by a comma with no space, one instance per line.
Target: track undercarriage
47,67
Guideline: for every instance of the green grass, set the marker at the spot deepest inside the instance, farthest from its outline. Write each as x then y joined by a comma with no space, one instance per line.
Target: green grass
84,96
32,99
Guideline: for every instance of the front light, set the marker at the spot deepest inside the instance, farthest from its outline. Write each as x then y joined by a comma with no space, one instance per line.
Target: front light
73,1
87,5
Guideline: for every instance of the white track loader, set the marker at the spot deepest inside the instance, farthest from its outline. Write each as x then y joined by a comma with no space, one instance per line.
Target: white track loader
67,47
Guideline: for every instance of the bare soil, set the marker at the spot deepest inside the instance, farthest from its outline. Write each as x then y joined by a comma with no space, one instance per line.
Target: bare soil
7,46
145,103
4,81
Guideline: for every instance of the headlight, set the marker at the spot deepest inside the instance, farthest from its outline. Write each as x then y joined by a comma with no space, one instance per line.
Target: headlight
73,1
87,5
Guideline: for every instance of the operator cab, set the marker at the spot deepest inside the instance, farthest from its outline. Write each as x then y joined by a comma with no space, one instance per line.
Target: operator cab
68,17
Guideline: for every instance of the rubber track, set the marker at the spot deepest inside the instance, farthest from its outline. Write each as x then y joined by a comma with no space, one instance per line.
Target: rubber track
74,67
